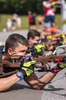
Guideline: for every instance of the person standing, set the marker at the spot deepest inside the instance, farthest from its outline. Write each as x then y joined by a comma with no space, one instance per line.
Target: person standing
14,22
49,10
9,23
40,19
34,20
19,23
30,19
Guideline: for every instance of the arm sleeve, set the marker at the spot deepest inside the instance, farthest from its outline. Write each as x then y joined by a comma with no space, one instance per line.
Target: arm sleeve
45,4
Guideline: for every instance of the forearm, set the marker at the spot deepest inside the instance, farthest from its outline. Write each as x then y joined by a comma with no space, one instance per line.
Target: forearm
46,78
35,84
6,83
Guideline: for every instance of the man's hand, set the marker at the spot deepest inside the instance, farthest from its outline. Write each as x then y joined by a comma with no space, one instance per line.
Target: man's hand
58,68
61,65
27,68
39,47
53,3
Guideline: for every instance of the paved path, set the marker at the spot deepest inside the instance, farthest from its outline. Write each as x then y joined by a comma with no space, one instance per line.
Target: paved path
21,91
4,35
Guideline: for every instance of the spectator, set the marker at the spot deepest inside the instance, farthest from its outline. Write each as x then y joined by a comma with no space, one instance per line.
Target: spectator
14,22
34,20
30,19
9,23
19,23
40,21
49,10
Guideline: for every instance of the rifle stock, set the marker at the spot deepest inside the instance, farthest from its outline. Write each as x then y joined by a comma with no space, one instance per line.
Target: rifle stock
10,64
50,43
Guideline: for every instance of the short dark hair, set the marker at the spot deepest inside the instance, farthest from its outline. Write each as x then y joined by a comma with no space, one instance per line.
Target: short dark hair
13,40
32,34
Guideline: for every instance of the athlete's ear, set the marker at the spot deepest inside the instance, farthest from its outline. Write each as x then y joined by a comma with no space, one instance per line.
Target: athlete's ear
10,51
30,38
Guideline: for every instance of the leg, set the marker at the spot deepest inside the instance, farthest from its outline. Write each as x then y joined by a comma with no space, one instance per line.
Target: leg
53,21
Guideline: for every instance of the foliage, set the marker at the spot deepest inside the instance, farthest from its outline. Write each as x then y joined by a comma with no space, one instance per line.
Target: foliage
21,6
64,22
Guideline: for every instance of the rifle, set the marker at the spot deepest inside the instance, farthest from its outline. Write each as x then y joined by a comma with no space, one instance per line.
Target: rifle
44,59
45,43
48,44
50,58
31,47
16,63
61,35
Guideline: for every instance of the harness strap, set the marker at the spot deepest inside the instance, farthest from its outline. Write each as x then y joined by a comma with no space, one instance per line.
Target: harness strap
8,74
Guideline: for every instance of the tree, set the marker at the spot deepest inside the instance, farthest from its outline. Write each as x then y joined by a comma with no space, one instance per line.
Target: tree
21,6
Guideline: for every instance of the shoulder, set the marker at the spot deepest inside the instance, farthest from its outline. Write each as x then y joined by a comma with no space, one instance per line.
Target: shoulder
44,2
2,47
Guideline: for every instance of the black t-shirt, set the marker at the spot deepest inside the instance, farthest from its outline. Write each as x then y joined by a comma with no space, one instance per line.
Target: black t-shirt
5,69
1,52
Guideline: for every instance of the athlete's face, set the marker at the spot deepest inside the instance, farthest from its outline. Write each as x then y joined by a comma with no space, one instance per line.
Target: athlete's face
19,50
35,40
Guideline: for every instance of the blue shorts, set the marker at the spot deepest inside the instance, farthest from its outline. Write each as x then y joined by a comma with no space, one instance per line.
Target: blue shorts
49,18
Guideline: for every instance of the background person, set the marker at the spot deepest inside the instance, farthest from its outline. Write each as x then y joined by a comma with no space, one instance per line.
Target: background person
40,19
30,19
19,23
14,22
34,37
9,24
49,12
34,20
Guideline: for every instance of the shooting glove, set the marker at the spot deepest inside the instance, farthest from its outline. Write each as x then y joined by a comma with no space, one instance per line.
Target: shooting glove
60,66
27,68
39,50
39,47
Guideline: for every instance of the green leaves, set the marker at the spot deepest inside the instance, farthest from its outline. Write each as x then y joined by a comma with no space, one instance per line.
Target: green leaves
21,6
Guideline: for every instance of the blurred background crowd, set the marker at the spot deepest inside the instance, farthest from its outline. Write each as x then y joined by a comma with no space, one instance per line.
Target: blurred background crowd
23,14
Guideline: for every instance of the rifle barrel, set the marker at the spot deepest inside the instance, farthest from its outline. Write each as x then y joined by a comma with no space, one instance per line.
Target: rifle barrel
48,58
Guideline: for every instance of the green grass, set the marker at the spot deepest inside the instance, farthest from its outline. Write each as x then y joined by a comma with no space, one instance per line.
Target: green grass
25,24
58,20
4,17
3,20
